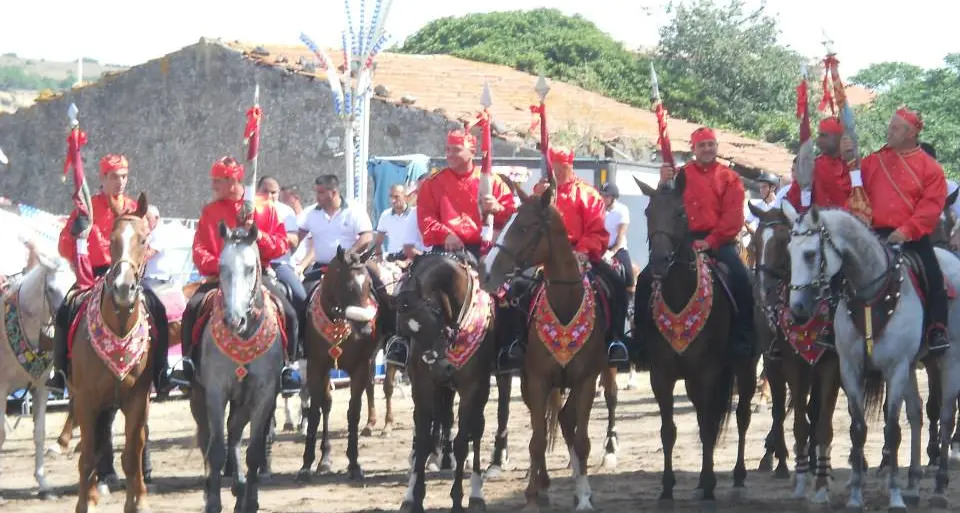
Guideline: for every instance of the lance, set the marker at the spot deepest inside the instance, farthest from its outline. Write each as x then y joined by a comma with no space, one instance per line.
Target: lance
251,136
543,88
663,139
486,167
81,196
805,157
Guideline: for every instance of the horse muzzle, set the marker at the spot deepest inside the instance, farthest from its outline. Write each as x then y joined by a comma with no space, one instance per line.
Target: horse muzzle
440,367
360,313
801,307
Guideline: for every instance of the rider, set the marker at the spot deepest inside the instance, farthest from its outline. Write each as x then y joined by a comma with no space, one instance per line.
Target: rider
229,207
617,220
907,189
582,210
107,205
713,199
831,177
447,212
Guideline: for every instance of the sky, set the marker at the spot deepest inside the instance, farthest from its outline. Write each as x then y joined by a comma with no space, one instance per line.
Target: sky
118,32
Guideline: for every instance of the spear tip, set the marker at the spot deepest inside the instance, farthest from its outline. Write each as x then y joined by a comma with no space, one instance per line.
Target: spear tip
542,87
72,112
486,98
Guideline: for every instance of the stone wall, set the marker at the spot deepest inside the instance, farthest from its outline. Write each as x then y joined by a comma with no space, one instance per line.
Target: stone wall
174,116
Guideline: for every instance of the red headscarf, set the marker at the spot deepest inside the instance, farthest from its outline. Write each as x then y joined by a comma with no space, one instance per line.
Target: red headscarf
560,154
459,137
831,125
112,162
227,167
911,117
702,134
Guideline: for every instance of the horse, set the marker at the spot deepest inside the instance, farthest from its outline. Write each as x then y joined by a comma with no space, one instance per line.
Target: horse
344,315
567,335
808,368
878,325
29,306
693,344
242,349
110,370
450,321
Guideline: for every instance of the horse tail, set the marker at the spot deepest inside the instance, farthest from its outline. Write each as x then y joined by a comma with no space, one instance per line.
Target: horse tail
873,395
722,394
554,405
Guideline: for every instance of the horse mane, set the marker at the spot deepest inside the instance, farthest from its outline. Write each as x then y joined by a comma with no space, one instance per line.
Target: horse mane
435,269
841,223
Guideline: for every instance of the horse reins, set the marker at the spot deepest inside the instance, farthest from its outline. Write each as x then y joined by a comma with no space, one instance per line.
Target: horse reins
521,264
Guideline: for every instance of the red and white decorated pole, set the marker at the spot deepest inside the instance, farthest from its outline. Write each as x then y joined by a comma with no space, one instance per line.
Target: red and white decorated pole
486,166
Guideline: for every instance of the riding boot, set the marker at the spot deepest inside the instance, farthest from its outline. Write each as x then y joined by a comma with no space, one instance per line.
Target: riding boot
742,337
158,318
397,351
58,382
513,330
290,382
937,302
191,356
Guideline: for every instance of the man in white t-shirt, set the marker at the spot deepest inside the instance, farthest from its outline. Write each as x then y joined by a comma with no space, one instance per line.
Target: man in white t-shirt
332,223
617,221
398,224
162,264
268,187
768,199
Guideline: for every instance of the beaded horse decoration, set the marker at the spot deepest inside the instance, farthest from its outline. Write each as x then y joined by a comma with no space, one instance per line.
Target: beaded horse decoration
564,340
120,353
244,350
472,325
28,353
335,331
681,328
803,337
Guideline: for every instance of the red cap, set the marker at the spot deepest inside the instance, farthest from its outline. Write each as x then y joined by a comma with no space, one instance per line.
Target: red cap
112,162
831,125
914,118
702,134
227,167
459,137
560,154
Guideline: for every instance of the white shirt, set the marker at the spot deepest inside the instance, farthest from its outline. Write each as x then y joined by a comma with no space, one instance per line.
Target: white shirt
955,208
286,214
617,214
170,243
341,229
401,229
760,204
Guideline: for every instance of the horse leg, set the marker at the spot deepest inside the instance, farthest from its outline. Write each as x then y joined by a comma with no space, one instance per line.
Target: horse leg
325,397
477,501
261,421
359,385
747,387
663,384
446,426
535,394
932,369
304,405
797,374
66,434
87,494
472,401
897,389
948,415
388,384
109,480
500,454
40,397
611,446
582,400
853,388
371,399
237,420
315,387
214,452
135,422
287,416
708,396
775,445
423,413
955,442
914,409
827,374
3,426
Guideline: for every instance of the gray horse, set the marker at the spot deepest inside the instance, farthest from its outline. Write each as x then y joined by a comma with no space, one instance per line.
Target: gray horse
242,358
827,242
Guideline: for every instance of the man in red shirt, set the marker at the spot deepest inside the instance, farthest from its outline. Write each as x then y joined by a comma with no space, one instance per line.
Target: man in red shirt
107,205
447,212
831,178
907,189
583,212
713,198
229,206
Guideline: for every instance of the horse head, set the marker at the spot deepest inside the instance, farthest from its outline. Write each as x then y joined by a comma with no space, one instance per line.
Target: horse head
425,311
771,256
239,275
128,252
814,259
347,285
45,286
668,233
529,239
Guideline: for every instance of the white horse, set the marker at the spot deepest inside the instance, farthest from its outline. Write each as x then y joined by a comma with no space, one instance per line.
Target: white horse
827,242
34,300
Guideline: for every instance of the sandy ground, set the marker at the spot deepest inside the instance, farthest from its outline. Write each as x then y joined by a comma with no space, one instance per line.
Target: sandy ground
178,465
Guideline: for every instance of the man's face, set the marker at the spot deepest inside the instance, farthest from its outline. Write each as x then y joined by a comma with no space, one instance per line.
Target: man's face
152,220
270,189
900,133
705,151
459,157
115,182
607,200
765,189
398,198
225,188
828,143
323,195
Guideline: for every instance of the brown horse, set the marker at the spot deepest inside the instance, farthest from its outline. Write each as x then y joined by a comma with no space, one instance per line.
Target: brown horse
692,345
805,366
344,316
567,348
111,362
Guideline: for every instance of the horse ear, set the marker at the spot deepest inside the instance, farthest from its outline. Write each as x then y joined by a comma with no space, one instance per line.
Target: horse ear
788,211
952,198
251,237
514,188
141,205
224,230
644,188
341,255
548,197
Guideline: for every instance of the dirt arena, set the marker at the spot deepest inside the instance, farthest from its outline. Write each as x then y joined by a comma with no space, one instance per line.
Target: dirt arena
178,465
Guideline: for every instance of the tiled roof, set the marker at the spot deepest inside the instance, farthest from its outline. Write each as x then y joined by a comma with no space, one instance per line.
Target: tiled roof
442,82
858,95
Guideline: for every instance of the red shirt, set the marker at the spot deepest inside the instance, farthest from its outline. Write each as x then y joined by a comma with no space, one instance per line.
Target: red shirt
906,190
98,242
447,203
831,184
207,243
583,213
713,197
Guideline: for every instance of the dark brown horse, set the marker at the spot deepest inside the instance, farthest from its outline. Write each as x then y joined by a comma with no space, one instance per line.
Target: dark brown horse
343,317
805,366
450,322
686,332
111,362
567,336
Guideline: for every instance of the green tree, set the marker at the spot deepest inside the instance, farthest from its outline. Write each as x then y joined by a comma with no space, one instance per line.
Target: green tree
886,75
13,77
934,93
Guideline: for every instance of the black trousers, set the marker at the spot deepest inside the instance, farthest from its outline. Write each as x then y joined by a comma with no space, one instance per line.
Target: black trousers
623,256
937,302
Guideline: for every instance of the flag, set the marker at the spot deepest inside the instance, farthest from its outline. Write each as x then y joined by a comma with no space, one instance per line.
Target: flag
251,134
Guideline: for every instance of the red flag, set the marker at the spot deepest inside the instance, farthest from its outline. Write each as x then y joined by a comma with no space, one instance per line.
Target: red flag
540,111
803,112
663,139
251,134
82,267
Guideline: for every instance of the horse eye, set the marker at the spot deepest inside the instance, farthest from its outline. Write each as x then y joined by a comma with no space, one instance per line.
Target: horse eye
809,256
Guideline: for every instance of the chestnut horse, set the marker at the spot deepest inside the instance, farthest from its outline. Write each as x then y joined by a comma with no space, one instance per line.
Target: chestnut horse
567,339
111,362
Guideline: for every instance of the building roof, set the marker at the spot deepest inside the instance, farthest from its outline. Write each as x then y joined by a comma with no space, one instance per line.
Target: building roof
452,86
858,95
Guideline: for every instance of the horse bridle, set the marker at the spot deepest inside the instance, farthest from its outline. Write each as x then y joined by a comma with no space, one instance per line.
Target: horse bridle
521,264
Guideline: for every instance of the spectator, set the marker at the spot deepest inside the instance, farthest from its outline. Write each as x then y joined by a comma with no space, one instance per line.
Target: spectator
398,225
269,188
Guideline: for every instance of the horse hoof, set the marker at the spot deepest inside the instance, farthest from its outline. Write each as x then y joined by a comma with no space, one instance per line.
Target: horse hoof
543,500
366,431
766,463
288,427
782,472
739,494
584,504
939,502
46,495
911,499
103,489
665,503
609,461
432,466
386,433
355,473
237,489
303,476
698,494
409,507
853,508
493,472
476,504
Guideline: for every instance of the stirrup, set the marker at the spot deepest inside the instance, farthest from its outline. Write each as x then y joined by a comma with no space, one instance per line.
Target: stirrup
179,378
613,346
394,355
290,382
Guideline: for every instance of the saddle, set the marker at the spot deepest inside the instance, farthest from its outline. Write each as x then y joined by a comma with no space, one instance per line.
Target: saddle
75,303
721,275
